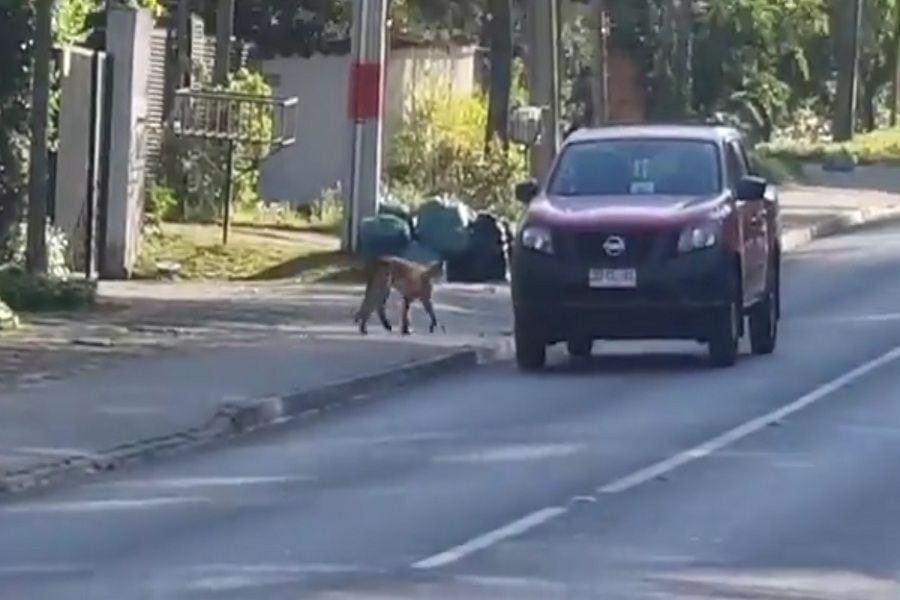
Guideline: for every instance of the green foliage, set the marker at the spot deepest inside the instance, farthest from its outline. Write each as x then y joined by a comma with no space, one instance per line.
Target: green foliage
755,59
13,251
753,56
24,292
440,151
877,147
197,176
161,204
70,23
307,27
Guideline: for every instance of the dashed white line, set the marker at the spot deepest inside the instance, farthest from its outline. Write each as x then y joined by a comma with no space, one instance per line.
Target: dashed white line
642,476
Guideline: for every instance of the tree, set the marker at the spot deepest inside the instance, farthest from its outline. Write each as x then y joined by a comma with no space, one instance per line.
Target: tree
16,44
38,175
307,27
877,55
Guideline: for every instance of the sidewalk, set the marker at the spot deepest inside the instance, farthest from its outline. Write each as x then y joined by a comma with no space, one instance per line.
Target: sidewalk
179,353
162,358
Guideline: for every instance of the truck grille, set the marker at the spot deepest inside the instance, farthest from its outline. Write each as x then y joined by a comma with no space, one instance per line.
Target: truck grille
588,247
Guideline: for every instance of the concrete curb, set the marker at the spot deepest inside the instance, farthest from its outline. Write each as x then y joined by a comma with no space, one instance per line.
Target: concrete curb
236,419
796,238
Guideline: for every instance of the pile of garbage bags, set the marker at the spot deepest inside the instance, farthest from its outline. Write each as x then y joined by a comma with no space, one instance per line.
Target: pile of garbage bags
474,246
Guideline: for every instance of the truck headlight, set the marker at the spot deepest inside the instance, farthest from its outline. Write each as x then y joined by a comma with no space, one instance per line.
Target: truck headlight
537,238
699,237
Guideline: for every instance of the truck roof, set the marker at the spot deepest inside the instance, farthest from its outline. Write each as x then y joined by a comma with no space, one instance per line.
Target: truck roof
711,133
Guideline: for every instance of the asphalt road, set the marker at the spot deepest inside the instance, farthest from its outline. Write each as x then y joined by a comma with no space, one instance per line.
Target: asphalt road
645,474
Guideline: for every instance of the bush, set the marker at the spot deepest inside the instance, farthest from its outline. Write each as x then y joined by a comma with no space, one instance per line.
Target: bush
57,250
877,147
441,151
24,292
162,204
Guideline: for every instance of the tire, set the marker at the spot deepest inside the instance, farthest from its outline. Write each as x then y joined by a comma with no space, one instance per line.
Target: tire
726,330
531,351
580,348
764,321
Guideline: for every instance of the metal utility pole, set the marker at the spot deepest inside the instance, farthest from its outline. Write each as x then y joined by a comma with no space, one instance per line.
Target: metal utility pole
600,80
366,112
224,33
848,67
542,22
39,176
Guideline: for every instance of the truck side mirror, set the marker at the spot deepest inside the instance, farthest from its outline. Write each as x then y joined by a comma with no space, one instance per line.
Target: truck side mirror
752,188
526,191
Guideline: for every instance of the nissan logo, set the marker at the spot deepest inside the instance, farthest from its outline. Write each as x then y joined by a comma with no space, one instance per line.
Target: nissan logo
614,246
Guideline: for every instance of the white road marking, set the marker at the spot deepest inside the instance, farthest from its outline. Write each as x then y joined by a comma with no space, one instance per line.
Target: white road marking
513,453
647,474
741,431
490,538
104,505
199,482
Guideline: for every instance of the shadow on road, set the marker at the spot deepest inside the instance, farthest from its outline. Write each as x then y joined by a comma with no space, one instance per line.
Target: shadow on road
653,362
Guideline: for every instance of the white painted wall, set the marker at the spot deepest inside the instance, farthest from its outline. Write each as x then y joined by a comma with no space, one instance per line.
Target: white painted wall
318,159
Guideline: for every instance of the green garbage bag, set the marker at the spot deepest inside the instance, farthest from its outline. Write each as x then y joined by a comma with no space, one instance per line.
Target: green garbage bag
418,252
383,235
397,210
441,224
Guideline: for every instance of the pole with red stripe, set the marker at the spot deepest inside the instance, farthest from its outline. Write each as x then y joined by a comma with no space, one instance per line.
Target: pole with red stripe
366,111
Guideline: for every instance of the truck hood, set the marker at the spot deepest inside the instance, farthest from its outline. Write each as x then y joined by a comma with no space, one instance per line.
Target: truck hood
630,211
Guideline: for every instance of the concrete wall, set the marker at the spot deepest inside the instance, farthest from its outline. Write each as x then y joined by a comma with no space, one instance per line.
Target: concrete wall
130,52
318,160
73,158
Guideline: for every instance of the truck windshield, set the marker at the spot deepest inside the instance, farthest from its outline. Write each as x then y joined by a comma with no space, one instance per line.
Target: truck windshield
637,167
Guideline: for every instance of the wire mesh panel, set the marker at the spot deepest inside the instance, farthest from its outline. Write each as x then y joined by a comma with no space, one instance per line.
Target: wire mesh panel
236,120
230,116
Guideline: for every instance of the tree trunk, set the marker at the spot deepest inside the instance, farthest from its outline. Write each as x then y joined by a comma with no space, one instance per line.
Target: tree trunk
501,56
867,101
683,58
847,49
39,175
665,103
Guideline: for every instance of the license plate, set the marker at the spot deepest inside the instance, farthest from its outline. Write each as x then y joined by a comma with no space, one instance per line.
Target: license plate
612,278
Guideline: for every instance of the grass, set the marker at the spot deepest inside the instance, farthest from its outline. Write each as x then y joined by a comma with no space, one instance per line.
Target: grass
877,147
255,251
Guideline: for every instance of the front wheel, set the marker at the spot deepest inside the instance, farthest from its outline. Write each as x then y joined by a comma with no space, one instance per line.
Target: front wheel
764,322
531,351
726,332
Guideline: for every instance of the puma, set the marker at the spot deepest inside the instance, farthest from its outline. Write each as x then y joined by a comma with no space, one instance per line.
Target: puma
412,280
